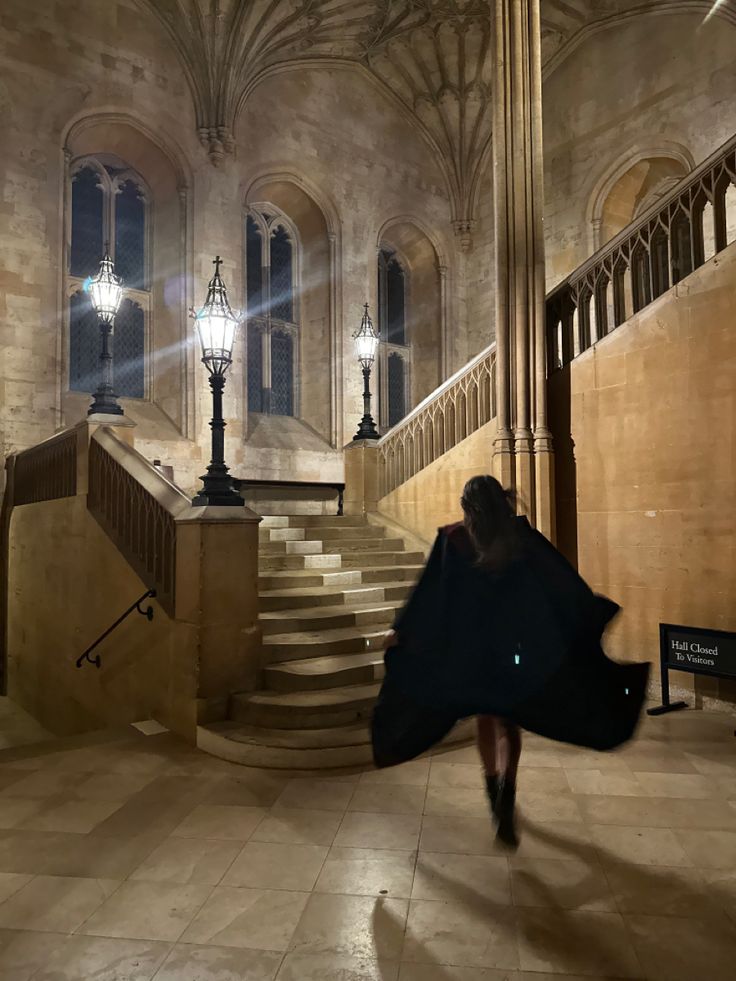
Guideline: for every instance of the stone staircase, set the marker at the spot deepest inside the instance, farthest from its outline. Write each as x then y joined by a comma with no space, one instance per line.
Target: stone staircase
330,588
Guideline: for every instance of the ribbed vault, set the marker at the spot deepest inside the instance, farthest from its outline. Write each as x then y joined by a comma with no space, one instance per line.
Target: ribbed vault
432,55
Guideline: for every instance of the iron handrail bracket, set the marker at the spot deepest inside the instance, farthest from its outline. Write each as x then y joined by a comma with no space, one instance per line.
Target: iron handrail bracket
147,613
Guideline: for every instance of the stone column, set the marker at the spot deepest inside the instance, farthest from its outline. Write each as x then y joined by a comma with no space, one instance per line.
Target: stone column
522,449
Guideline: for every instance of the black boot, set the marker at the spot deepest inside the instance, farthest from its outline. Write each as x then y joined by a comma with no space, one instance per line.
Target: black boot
504,812
493,787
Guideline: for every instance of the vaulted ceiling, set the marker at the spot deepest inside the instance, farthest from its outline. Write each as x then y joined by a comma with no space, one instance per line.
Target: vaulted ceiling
432,55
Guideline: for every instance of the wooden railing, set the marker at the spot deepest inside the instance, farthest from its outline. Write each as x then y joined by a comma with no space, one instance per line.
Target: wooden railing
460,406
684,229
137,507
46,472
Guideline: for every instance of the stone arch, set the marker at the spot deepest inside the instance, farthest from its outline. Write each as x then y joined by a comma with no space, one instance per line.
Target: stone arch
631,184
313,220
162,167
426,328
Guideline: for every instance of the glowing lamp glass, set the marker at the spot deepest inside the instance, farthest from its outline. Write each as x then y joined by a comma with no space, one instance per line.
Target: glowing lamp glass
106,290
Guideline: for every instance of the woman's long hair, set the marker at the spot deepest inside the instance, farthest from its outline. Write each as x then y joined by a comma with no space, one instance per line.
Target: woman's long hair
490,518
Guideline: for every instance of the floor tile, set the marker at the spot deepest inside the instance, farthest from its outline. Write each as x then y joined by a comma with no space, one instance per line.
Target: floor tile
15,811
23,953
261,919
367,872
388,799
561,884
710,849
255,789
415,774
44,783
298,826
354,926
220,821
272,865
187,962
456,801
639,846
399,831
203,861
453,878
47,853
322,795
467,934
10,883
436,972
555,840
103,959
461,835
548,807
692,785
657,812
678,949
659,890
607,782
73,816
335,967
577,942
111,786
721,888
147,911
57,904
468,775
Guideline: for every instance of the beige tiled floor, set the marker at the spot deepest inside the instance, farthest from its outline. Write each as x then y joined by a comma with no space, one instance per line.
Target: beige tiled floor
133,858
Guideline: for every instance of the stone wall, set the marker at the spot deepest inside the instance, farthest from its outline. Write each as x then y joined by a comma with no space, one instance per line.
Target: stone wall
664,82
646,487
431,498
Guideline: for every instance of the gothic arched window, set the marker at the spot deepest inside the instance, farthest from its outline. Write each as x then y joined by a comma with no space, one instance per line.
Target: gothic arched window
273,327
394,354
108,207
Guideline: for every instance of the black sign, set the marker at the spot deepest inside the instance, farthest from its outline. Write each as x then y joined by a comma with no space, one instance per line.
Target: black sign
699,651
695,650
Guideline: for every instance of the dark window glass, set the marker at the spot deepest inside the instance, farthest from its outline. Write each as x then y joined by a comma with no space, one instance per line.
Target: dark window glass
130,236
395,326
396,389
84,345
255,369
129,350
282,280
254,268
87,226
282,374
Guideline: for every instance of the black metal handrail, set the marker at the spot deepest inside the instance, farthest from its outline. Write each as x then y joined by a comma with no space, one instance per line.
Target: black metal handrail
147,613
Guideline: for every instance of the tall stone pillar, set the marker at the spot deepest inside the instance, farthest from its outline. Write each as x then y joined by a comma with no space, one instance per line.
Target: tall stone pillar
523,447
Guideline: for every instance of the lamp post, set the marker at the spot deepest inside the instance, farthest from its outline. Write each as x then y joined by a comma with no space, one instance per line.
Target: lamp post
106,291
366,345
216,325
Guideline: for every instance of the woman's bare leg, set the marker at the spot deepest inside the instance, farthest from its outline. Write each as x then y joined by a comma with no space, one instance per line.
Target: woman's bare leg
511,743
488,732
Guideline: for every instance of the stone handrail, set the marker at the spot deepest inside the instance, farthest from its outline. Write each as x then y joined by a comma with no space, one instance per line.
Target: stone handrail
47,471
137,507
680,232
460,406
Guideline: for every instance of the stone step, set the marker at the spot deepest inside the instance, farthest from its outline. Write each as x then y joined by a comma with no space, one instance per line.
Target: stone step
358,546
305,709
311,520
364,560
314,547
315,749
281,563
298,579
318,643
321,533
323,618
317,673
340,595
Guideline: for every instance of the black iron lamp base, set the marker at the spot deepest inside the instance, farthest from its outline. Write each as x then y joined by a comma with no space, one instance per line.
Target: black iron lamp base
105,403
367,429
221,495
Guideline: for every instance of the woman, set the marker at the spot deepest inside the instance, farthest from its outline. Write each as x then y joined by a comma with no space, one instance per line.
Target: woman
500,626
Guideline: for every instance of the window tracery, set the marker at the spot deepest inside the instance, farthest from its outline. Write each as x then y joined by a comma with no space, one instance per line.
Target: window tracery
394,353
271,259
109,206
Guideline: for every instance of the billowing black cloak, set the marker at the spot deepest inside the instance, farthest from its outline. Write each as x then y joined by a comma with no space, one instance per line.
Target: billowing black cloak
524,645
